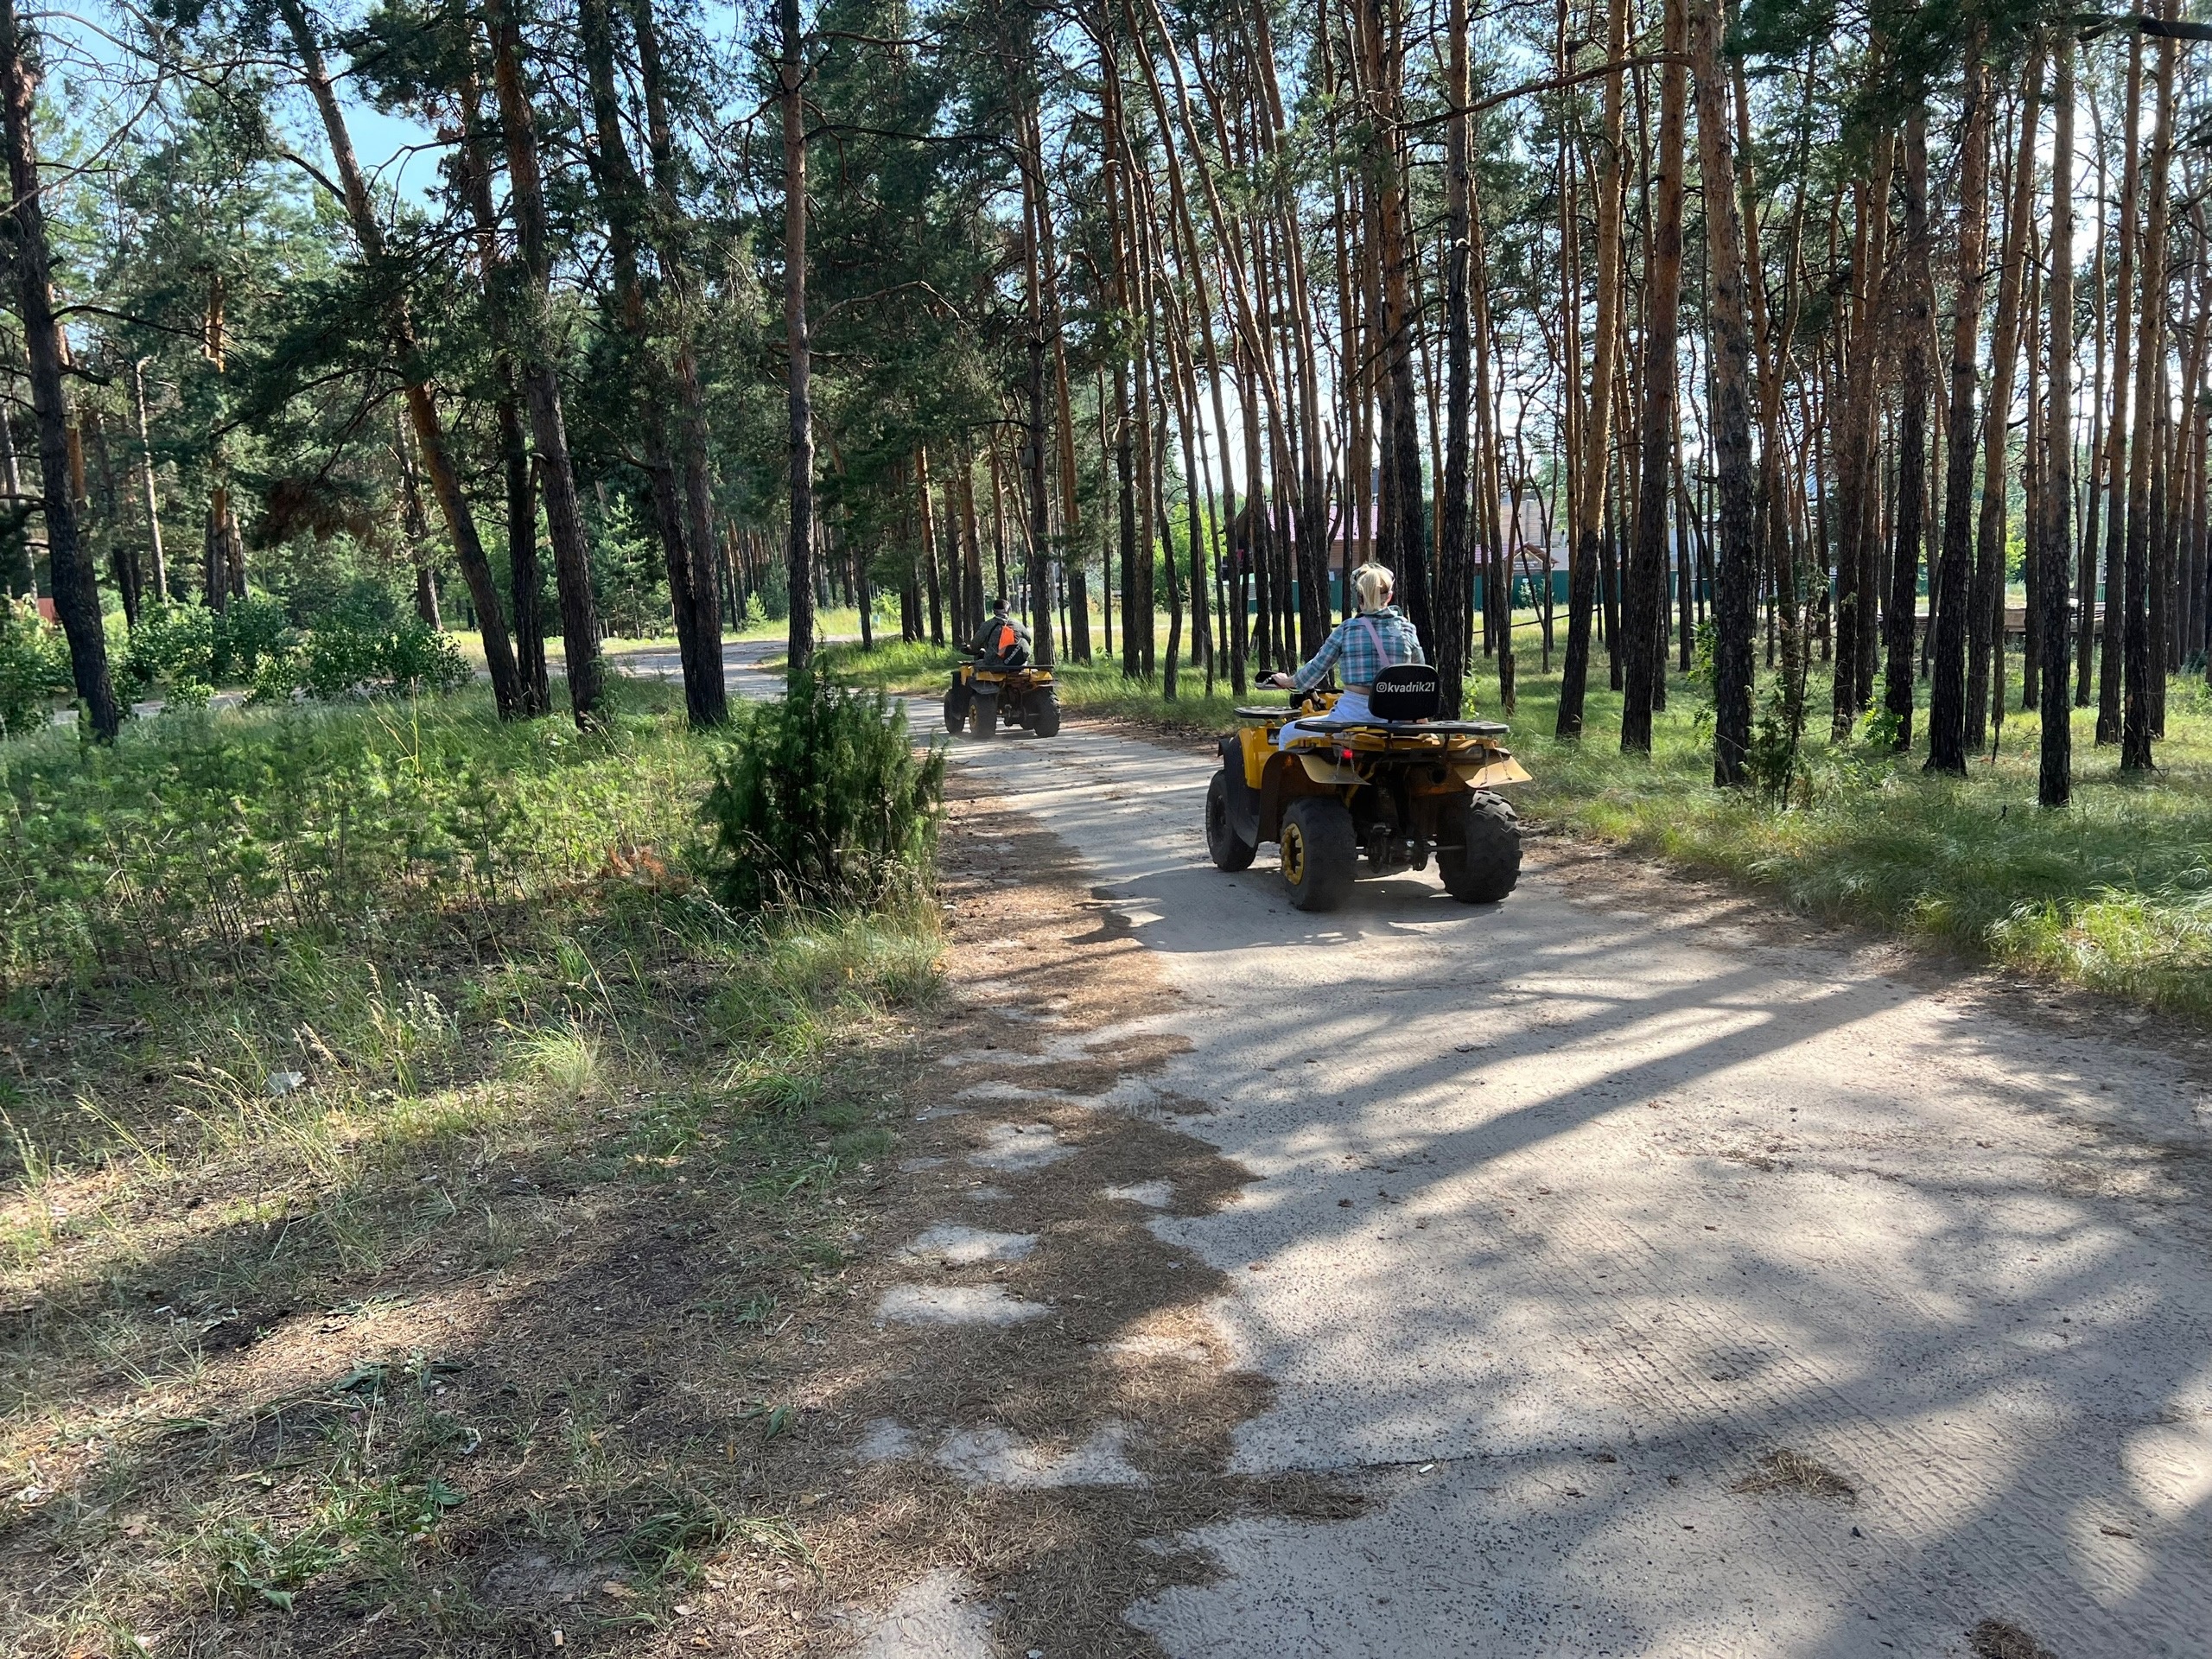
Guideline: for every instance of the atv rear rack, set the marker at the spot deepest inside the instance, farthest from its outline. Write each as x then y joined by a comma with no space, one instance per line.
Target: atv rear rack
1388,727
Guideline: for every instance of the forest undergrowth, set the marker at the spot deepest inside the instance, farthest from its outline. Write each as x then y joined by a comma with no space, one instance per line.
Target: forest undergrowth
2114,892
390,1107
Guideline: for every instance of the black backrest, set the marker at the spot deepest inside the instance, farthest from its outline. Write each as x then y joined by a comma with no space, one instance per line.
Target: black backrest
1405,691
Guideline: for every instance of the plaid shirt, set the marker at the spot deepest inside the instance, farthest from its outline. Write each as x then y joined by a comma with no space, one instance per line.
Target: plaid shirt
1371,640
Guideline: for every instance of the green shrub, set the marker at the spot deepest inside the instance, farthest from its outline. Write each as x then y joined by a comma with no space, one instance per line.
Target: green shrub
338,658
173,644
366,640
186,696
820,799
418,656
278,679
33,667
178,645
250,633
352,650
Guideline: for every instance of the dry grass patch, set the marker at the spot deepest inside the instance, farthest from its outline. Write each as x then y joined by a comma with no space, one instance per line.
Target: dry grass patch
1785,1470
1994,1638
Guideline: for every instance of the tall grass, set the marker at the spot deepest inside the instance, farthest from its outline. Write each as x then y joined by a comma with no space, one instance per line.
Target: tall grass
2114,892
198,835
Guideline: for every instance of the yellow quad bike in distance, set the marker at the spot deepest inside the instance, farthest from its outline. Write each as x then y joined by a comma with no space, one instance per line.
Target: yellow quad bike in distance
1394,788
986,696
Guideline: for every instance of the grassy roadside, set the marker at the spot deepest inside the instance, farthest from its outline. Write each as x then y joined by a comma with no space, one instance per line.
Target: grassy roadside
2114,894
402,1151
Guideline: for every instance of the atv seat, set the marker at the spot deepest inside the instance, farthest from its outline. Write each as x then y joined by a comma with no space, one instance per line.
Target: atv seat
1405,691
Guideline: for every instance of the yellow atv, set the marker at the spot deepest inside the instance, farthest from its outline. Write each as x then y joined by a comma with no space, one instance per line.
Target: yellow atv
1393,788
985,695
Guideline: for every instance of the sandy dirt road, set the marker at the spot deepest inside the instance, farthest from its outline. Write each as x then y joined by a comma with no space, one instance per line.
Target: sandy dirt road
1570,1213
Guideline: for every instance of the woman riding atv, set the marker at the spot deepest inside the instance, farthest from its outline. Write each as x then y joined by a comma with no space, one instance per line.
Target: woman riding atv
1378,637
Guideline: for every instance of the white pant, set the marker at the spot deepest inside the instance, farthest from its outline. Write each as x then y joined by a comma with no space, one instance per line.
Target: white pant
1352,705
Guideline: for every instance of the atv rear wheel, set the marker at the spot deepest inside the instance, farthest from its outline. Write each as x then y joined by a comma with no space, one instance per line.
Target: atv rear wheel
1229,850
957,696
1045,712
1319,847
983,717
1478,847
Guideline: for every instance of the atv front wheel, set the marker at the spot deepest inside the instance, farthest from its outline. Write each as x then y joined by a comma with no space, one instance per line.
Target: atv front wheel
957,696
1044,713
1319,847
983,717
1229,850
1479,848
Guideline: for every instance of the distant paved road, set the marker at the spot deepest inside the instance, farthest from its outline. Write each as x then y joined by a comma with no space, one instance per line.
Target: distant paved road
741,665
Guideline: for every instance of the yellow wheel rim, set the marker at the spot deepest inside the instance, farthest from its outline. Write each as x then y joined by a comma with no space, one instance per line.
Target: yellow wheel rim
1293,854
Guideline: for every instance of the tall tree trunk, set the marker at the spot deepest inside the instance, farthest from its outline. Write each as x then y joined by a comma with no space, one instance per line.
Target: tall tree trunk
1915,321
1032,448
623,204
1078,595
421,400
971,553
1492,555
2055,782
2137,668
557,481
1737,572
525,579
416,524
1648,565
1986,607
1946,705
1168,680
146,479
928,516
2085,621
1408,549
1455,574
2113,650
1857,485
791,91
76,589
22,581
681,287
1589,514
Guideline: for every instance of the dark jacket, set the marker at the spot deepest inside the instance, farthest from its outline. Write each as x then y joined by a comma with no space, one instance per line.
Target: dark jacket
1004,642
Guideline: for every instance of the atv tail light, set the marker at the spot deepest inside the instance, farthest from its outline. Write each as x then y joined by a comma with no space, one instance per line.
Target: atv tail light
1344,754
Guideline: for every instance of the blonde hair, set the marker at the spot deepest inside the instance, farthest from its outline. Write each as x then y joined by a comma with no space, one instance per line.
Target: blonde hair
1374,583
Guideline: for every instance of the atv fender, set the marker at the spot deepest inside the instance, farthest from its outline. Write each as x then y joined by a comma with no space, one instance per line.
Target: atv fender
1322,769
1243,799
1500,768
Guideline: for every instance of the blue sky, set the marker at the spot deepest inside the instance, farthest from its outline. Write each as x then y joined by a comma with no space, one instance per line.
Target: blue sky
92,76
86,36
